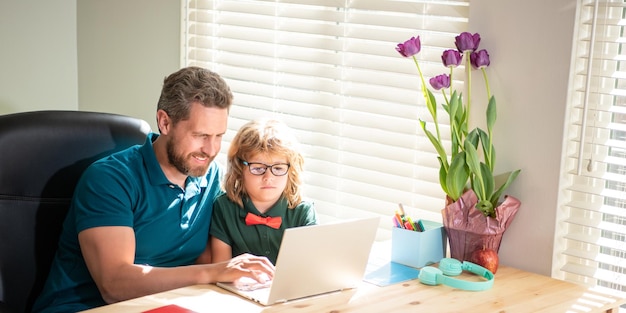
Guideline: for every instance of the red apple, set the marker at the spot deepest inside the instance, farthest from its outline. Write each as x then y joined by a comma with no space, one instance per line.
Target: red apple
487,258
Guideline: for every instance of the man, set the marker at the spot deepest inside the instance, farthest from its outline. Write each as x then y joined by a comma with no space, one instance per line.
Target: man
139,220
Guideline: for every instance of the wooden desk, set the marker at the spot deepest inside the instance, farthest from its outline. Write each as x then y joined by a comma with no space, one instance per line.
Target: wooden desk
513,290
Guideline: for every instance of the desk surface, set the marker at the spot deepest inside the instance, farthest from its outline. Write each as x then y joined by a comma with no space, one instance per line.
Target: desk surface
513,290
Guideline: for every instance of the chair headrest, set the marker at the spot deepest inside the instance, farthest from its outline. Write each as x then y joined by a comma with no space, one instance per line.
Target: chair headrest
42,149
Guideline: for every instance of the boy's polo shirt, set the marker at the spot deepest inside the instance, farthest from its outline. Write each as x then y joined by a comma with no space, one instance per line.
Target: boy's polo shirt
228,225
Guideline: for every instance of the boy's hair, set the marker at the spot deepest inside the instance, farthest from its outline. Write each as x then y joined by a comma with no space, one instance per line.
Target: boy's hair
264,136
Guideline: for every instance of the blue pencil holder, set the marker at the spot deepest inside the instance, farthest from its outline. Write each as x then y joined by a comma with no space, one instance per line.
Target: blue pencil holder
418,249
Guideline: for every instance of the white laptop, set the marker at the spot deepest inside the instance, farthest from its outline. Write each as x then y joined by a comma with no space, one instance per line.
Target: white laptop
316,259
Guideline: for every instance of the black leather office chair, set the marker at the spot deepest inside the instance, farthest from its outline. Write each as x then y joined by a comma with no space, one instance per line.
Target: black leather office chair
42,155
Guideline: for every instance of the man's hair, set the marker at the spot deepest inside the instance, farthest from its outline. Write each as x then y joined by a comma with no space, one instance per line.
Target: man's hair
264,136
189,85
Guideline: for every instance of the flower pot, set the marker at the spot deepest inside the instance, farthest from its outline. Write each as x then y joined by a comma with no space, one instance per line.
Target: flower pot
468,229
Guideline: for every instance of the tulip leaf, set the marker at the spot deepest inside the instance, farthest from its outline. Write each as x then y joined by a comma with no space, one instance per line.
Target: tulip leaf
431,104
461,117
473,163
455,143
443,176
488,181
446,108
495,198
477,186
473,137
440,150
472,157
489,151
454,106
458,115
491,113
458,175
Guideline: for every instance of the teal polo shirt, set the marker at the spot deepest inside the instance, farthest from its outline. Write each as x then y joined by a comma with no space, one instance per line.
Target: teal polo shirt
129,188
228,225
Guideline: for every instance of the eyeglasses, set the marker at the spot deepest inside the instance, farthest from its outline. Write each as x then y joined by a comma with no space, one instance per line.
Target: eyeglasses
279,169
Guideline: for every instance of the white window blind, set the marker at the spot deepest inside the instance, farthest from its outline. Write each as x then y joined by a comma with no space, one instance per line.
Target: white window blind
593,233
329,69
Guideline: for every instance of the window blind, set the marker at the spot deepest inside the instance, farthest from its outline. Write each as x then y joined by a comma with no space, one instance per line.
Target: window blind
329,69
593,233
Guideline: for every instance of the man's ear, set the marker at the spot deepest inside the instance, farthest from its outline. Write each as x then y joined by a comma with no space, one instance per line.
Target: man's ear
164,122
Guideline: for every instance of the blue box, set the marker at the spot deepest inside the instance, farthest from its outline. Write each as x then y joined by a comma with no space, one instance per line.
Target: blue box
418,249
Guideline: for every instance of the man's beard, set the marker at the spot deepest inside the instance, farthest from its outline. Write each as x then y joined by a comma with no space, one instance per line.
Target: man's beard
181,162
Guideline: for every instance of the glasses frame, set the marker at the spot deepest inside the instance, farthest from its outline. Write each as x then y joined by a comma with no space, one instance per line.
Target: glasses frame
271,167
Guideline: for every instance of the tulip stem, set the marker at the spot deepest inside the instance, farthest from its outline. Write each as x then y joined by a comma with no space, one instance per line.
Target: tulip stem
450,87
419,70
489,157
432,107
486,83
468,73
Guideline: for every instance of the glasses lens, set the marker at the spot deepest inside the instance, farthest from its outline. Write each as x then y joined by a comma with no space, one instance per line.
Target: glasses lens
280,169
257,169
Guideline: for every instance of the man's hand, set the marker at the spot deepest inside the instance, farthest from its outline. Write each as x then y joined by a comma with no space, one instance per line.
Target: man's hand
246,265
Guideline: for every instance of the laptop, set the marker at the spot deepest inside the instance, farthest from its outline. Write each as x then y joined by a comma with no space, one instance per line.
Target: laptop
315,259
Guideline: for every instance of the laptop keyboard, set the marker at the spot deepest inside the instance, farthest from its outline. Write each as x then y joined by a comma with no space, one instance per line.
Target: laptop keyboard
247,284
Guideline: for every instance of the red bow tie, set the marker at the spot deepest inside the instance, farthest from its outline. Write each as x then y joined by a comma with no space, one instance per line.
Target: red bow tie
273,222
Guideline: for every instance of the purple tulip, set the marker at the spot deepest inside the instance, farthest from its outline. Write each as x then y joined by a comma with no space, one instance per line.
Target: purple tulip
467,42
451,58
410,47
440,81
480,59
